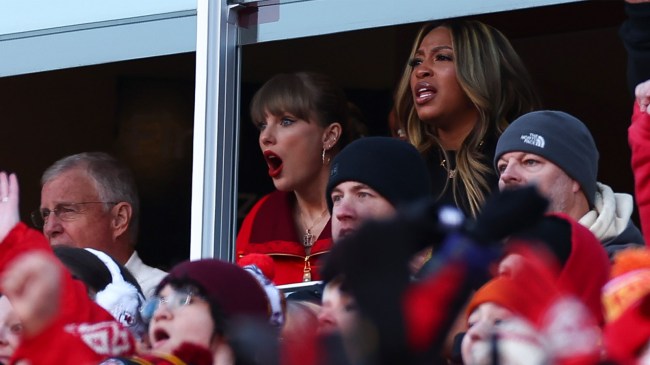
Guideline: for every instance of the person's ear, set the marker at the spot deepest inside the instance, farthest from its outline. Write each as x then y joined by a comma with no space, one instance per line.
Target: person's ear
222,352
122,214
575,186
331,135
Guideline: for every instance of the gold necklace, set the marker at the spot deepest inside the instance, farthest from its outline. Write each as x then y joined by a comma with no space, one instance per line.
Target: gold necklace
451,173
308,241
308,238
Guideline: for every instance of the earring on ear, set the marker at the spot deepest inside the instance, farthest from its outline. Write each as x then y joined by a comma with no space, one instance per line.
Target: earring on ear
325,149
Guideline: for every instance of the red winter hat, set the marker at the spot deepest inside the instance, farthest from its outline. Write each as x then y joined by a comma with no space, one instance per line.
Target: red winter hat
626,336
585,267
512,294
630,281
234,291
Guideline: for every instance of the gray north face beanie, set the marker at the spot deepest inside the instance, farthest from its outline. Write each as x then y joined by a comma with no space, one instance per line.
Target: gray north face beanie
558,137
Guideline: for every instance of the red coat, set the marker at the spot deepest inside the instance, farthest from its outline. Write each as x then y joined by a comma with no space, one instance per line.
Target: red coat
269,229
82,332
639,139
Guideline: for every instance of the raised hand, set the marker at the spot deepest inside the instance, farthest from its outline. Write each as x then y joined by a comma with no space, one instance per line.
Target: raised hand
9,214
642,93
32,283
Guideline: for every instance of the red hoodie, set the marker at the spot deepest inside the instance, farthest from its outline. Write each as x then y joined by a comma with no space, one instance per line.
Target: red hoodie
587,270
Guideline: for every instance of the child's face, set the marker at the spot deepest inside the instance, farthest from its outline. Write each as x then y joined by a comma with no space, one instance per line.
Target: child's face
481,325
10,330
339,312
519,342
180,317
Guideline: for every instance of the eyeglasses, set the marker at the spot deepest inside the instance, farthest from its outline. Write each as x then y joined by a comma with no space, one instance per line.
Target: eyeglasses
65,212
177,299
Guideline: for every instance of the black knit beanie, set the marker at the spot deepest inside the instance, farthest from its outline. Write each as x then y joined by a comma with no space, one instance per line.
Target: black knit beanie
558,137
393,168
554,232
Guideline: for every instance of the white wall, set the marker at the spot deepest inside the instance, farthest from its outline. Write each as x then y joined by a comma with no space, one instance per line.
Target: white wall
42,35
293,19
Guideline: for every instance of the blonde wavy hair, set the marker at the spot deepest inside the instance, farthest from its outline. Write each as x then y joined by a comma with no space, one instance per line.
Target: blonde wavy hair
496,81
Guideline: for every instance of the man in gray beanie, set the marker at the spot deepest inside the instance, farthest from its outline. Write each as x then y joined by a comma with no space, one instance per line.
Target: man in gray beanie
555,151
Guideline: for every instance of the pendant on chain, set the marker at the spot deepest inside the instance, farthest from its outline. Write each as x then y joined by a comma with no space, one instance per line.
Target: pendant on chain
308,238
306,274
451,173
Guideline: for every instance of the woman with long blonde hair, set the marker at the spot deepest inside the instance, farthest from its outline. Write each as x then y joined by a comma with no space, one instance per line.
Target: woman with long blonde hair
462,85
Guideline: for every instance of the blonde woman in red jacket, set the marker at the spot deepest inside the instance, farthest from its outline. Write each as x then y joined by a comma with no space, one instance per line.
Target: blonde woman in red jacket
301,118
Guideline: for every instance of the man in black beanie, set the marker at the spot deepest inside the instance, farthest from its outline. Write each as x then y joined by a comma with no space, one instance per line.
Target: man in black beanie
371,178
556,152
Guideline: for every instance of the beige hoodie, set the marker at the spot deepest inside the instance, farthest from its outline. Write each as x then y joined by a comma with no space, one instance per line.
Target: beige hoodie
611,213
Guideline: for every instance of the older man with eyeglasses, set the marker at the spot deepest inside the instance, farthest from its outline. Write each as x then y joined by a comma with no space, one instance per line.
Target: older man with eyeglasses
90,200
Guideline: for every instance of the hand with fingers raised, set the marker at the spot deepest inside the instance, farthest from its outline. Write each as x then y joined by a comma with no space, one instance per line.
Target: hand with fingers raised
32,283
642,93
9,214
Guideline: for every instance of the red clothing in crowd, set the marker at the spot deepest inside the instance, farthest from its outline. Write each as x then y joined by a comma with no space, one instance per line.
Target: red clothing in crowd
639,139
269,229
82,332
587,270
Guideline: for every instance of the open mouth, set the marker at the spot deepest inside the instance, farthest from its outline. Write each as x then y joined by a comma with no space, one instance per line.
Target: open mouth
160,336
424,92
274,162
